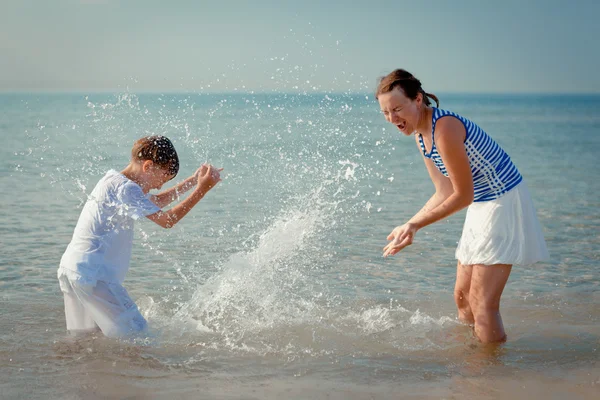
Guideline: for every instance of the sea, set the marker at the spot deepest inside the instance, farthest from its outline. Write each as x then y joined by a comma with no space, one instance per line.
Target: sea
274,285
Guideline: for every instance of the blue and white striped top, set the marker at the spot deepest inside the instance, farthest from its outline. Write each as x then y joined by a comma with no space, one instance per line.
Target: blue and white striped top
493,172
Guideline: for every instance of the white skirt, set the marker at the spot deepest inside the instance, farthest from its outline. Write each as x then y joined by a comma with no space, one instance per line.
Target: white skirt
502,231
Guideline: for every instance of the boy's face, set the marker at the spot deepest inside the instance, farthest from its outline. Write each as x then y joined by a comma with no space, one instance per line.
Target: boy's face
156,176
160,177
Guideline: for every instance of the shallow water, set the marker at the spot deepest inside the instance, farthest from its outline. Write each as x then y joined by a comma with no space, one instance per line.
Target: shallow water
274,286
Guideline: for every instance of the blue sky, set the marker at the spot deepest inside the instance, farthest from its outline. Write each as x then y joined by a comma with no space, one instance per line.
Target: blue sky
526,46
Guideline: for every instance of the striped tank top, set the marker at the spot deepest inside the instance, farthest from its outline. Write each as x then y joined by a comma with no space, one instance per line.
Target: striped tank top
493,172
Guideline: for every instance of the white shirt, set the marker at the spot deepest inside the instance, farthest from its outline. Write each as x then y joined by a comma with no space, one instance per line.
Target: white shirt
101,245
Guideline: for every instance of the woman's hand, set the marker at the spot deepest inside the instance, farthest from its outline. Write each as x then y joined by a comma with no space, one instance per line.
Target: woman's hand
400,237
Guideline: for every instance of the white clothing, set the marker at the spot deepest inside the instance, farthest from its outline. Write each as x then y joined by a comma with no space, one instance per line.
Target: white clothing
101,245
505,230
94,265
104,305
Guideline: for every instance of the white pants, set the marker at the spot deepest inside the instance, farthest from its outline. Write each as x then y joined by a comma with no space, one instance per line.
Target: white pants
105,305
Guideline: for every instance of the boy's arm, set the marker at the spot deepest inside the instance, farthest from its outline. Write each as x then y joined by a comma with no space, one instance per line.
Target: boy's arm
168,196
208,177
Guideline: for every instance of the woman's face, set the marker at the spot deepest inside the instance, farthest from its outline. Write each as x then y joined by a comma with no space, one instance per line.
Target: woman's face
400,110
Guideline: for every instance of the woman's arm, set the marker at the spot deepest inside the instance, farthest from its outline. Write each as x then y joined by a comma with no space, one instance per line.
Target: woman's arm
443,188
449,140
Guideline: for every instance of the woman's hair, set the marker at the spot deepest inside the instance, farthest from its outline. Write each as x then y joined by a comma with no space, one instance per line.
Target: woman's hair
157,149
410,85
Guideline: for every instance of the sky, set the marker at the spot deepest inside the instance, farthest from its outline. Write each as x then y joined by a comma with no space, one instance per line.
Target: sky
459,46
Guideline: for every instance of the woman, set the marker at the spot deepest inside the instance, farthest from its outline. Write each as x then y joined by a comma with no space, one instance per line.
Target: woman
468,169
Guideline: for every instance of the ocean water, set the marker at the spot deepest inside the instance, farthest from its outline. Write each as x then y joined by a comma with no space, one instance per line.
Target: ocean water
274,285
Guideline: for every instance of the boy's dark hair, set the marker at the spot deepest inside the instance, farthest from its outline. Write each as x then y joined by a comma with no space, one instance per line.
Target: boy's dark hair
157,149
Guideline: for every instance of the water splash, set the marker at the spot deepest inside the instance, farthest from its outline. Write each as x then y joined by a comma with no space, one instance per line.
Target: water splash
274,298
265,287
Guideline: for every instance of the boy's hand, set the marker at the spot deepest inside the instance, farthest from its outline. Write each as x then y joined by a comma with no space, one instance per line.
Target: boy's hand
208,176
198,172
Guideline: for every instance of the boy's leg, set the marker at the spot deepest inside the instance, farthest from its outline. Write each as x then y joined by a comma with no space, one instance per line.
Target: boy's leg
112,309
77,317
487,284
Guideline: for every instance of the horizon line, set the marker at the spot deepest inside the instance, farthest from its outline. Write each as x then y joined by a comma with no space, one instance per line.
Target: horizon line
253,92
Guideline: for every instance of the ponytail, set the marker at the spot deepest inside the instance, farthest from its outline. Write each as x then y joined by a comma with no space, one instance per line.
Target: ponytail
428,96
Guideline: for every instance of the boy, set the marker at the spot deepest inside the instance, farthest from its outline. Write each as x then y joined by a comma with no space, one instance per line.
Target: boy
93,267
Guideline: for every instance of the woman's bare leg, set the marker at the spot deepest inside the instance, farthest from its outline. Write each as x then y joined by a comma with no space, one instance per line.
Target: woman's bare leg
461,293
487,284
